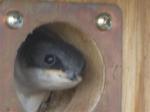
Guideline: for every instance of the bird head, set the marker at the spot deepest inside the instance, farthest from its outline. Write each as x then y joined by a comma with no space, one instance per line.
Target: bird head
46,62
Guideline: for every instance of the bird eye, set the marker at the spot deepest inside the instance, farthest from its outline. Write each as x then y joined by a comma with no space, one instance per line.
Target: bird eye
50,59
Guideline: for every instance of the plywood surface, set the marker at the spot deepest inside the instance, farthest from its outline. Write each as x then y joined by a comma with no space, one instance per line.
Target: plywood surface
136,53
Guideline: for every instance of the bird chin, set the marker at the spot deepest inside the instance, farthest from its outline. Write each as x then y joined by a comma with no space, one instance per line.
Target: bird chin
56,80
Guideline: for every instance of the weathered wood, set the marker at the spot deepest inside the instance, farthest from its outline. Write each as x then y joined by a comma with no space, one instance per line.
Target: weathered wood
136,47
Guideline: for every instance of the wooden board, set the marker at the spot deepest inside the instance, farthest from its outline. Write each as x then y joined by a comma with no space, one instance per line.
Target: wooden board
101,87
136,47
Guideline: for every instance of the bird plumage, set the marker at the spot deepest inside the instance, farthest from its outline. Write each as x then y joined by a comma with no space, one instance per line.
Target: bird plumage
45,62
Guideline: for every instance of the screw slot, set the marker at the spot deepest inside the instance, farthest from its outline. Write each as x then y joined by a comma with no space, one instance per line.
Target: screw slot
104,21
14,19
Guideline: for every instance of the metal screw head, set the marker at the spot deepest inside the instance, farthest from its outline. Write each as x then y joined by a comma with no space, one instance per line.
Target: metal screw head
104,21
14,19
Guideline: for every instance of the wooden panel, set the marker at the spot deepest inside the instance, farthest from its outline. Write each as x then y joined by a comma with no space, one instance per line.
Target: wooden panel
84,99
136,47
146,55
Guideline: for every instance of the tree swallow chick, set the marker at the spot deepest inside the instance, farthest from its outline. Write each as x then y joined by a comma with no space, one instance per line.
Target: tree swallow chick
45,62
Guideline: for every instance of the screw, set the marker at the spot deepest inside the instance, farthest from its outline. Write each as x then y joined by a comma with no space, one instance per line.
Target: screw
14,19
104,21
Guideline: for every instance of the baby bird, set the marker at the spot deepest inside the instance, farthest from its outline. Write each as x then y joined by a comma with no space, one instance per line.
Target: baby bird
45,62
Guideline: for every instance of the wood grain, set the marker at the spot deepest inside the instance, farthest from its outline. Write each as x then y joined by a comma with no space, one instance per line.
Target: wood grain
146,59
136,47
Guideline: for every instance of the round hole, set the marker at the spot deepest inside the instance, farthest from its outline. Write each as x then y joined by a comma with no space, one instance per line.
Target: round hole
87,94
